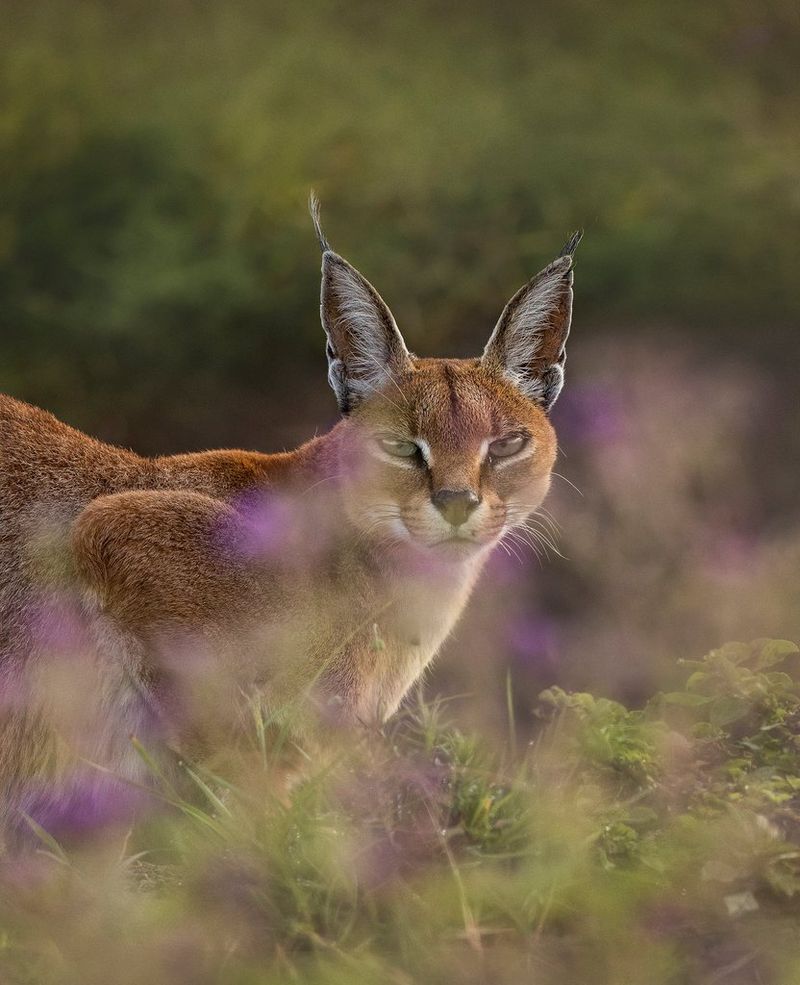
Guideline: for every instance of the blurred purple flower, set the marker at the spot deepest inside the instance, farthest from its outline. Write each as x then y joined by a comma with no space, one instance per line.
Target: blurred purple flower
293,531
534,640
503,568
267,524
592,414
81,805
731,555
59,624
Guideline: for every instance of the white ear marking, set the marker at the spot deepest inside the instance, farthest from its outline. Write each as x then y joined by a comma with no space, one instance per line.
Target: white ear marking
365,348
527,344
369,355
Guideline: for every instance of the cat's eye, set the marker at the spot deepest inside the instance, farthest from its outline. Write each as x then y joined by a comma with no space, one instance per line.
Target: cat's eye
508,446
400,449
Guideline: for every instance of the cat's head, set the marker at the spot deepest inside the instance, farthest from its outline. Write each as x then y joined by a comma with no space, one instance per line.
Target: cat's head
445,454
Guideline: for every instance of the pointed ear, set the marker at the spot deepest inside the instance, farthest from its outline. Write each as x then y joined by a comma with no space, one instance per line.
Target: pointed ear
527,346
365,347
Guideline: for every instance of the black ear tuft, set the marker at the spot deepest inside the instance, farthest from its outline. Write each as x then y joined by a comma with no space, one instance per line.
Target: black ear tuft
313,208
572,244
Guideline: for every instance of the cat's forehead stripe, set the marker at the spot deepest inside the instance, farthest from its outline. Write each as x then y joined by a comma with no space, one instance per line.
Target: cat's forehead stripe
453,406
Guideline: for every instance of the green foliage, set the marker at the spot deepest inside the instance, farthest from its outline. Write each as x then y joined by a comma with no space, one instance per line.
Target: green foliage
610,738
659,845
743,711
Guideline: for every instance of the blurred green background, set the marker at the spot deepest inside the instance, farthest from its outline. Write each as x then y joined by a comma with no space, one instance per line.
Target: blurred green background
159,274
157,267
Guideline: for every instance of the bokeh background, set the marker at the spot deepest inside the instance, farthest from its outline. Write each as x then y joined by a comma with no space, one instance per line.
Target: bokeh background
159,275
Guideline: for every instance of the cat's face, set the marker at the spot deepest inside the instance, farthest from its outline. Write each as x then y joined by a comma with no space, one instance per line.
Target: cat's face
447,457
445,454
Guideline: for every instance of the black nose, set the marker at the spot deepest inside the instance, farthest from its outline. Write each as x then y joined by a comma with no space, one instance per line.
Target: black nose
455,505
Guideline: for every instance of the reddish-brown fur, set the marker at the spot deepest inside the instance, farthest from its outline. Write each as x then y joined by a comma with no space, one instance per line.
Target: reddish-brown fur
324,579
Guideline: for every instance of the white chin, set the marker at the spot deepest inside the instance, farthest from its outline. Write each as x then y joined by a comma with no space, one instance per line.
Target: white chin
457,548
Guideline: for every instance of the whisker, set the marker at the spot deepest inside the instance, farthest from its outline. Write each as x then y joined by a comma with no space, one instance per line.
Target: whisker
542,536
528,537
540,524
550,534
501,543
512,550
569,482
534,521
547,516
513,537
538,549
546,531
328,478
525,543
545,512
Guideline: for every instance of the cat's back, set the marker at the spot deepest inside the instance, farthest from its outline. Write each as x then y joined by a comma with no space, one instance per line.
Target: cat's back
48,472
43,459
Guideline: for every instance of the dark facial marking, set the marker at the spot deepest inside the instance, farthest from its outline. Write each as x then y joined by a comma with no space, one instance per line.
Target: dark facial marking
450,382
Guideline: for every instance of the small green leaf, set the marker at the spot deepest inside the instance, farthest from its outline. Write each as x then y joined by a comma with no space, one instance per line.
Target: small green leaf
686,699
696,679
728,709
778,679
774,651
735,652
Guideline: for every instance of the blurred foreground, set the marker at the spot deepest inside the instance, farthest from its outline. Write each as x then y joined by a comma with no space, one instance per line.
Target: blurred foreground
660,846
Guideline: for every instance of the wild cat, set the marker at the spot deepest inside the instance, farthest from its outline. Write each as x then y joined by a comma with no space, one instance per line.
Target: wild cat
145,593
